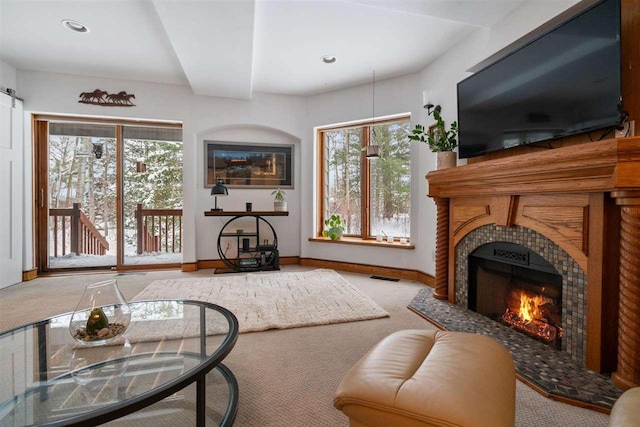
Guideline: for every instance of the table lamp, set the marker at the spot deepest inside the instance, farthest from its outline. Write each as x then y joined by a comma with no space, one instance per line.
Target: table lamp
219,190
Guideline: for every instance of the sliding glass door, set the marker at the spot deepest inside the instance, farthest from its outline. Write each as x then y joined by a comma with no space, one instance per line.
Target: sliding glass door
111,195
82,196
152,195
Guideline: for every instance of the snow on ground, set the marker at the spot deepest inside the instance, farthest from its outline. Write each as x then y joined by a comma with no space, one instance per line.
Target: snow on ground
78,261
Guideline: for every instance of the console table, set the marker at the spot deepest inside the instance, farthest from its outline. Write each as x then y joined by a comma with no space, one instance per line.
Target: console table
259,254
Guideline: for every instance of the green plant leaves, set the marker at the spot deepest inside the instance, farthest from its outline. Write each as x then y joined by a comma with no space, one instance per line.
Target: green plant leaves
440,139
334,222
279,195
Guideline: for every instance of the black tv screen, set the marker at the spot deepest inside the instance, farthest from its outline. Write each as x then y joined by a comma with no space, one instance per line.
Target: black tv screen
566,81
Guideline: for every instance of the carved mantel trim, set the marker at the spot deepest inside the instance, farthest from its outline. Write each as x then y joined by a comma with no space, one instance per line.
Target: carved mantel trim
562,218
573,196
627,374
442,248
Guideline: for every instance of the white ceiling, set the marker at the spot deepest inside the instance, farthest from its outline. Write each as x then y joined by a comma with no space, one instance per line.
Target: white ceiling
214,42
484,13
126,40
291,38
232,48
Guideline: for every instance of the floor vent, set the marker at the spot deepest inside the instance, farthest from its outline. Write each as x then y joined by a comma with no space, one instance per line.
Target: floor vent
389,279
130,274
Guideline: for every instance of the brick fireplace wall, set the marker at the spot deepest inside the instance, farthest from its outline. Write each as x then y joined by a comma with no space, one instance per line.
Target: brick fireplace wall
574,279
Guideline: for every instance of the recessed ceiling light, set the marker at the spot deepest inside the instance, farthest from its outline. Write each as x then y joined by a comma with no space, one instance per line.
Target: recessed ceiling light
329,59
75,26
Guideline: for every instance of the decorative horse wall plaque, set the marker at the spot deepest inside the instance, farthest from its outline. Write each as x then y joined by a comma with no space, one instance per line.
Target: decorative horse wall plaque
100,97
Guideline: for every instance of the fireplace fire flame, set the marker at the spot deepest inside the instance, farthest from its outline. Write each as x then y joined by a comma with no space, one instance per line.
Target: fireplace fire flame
529,307
531,314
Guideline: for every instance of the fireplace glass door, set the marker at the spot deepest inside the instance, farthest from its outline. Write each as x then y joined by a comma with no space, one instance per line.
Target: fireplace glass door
517,287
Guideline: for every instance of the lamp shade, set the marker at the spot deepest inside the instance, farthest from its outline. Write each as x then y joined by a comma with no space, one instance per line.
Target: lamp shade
219,189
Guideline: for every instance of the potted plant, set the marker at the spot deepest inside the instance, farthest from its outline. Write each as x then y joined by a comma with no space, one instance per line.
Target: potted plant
335,229
440,140
279,204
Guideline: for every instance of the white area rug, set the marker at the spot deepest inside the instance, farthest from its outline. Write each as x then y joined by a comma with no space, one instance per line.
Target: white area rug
275,300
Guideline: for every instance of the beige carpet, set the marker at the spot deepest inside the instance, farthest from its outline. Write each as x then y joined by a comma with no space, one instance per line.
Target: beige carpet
274,300
287,377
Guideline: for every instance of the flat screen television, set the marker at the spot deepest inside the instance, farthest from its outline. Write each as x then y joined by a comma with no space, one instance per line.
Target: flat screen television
566,81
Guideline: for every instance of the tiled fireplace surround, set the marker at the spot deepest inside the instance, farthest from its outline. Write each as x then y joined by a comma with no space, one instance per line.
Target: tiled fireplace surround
574,320
576,206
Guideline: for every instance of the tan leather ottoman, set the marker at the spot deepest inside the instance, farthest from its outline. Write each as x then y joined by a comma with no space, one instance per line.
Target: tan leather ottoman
626,411
431,378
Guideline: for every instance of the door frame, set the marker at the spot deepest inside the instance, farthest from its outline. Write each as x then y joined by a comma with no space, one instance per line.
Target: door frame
40,141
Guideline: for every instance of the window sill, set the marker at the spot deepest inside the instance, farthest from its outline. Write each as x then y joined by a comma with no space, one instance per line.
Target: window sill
363,242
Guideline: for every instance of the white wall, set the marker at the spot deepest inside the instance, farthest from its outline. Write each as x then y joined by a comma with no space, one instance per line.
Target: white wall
8,76
404,94
393,96
289,119
287,228
271,116
526,18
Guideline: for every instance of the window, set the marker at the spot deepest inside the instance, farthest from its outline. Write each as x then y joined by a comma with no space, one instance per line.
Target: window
372,196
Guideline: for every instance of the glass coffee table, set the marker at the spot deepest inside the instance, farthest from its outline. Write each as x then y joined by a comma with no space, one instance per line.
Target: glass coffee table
47,378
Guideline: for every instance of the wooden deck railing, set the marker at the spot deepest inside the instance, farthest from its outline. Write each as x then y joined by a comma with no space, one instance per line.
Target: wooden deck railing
84,238
159,230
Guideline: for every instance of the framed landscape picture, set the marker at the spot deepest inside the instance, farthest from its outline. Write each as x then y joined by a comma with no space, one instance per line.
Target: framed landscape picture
244,165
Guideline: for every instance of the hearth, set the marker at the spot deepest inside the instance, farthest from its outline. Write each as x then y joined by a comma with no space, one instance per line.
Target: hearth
552,372
519,288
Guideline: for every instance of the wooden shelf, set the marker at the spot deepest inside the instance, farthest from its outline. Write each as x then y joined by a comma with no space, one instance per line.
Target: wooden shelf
264,256
245,213
362,242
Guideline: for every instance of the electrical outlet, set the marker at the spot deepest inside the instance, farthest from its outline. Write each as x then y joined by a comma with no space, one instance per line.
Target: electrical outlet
628,130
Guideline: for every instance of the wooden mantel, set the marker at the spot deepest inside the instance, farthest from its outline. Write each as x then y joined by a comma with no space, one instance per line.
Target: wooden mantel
594,167
585,198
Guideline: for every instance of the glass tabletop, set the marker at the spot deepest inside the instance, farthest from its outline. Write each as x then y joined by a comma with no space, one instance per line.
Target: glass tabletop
48,378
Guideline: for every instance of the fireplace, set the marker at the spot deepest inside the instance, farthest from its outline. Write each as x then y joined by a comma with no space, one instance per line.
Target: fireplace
519,288
584,201
525,246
